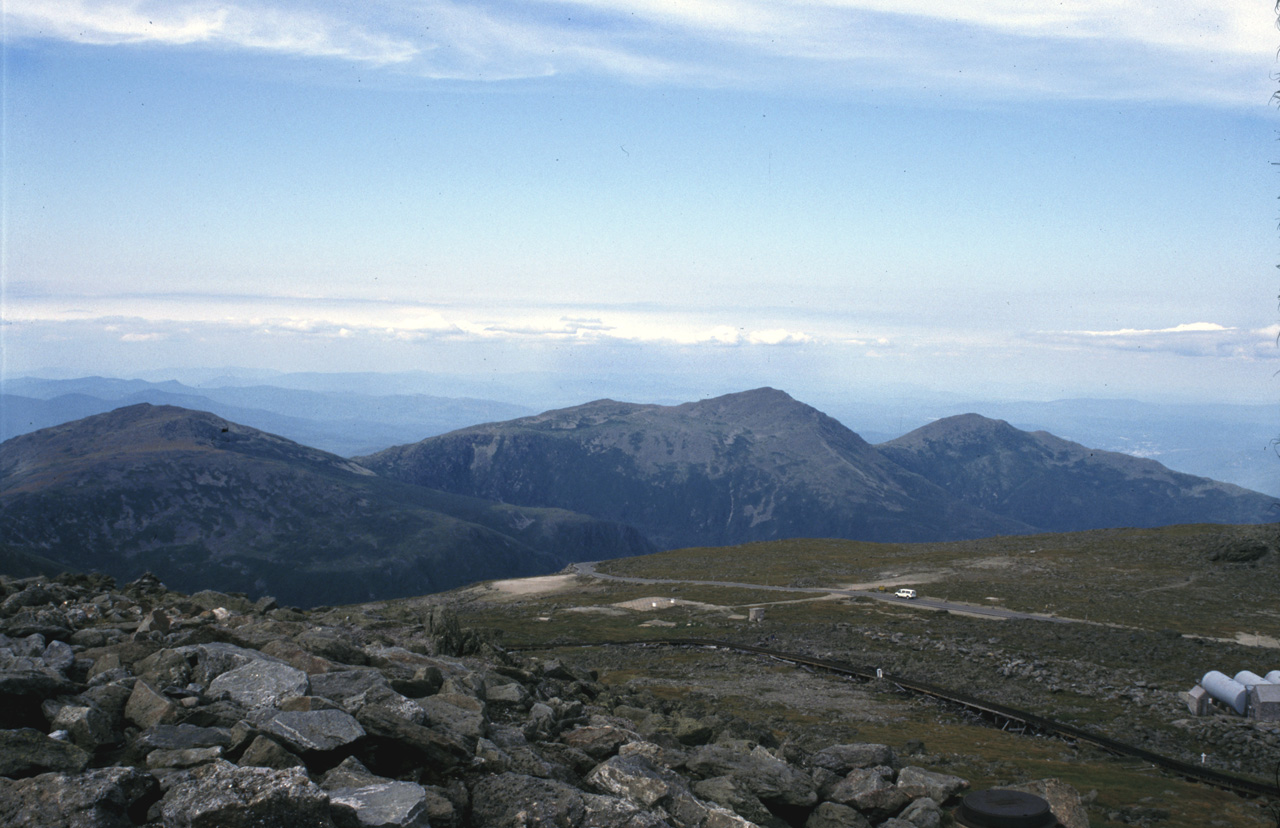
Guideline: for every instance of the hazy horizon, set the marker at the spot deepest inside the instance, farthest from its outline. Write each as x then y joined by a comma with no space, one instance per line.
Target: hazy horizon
1030,203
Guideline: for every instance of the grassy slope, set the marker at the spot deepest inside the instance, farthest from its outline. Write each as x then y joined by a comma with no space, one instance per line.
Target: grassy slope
1120,677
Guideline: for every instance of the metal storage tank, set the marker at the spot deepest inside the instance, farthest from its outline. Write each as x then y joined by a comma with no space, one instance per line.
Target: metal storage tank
1249,678
1273,677
1226,690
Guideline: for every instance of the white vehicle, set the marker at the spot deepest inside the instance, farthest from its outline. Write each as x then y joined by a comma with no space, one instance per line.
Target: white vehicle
905,593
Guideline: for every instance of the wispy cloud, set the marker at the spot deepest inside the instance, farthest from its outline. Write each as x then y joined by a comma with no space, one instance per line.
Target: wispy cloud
1192,339
1191,50
295,31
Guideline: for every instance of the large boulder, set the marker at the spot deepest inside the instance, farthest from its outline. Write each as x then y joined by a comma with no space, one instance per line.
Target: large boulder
762,773
101,798
221,795
317,731
512,800
835,815
260,683
940,787
26,752
843,758
383,805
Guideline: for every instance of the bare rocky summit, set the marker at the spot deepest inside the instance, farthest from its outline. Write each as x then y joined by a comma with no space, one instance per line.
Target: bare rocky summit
141,706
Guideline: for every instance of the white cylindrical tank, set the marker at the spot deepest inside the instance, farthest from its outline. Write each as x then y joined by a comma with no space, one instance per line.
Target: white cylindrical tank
1273,677
1226,690
1249,678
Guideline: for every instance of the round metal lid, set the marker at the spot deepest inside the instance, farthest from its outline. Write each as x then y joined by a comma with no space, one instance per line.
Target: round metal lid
998,808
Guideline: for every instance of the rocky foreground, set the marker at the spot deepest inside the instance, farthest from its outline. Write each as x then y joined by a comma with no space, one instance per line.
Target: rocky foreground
140,706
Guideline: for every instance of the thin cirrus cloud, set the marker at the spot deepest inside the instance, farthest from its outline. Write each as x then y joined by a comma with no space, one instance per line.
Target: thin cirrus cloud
298,31
1193,339
1190,50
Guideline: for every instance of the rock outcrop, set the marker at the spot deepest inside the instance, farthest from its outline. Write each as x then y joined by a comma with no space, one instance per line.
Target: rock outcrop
142,707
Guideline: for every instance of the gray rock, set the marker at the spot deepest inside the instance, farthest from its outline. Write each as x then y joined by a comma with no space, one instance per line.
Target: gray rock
58,656
102,798
513,694
925,813
314,730
260,683
164,668
939,787
148,707
263,752
871,791
612,812
333,645
724,790
598,742
182,737
462,717
183,758
221,795
512,800
692,731
768,777
411,742
635,779
341,685
26,752
843,758
350,773
89,727
834,815
385,804
1064,801
215,658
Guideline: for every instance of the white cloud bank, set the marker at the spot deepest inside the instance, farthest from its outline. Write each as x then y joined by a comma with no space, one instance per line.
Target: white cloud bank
1117,49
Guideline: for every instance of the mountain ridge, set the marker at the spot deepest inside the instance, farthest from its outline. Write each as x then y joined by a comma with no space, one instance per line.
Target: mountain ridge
205,502
760,465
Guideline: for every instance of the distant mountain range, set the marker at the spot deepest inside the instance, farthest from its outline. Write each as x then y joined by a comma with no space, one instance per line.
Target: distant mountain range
345,422
759,465
206,503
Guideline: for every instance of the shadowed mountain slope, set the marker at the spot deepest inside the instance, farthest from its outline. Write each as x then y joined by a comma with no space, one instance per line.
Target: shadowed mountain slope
1061,486
757,465
206,503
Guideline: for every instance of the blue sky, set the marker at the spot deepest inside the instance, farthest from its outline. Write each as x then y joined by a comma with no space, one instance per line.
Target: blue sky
999,199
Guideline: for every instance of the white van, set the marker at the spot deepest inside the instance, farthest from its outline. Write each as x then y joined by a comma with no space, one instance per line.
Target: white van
905,593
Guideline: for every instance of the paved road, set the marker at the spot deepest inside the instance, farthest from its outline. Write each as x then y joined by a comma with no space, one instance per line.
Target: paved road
588,568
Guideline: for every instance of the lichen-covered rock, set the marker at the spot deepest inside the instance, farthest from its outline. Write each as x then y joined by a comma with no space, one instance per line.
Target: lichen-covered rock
1064,801
314,730
598,742
183,757
512,800
724,790
148,707
768,777
940,787
101,798
221,795
636,779
384,805
871,791
263,752
835,815
26,752
260,683
925,813
843,758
